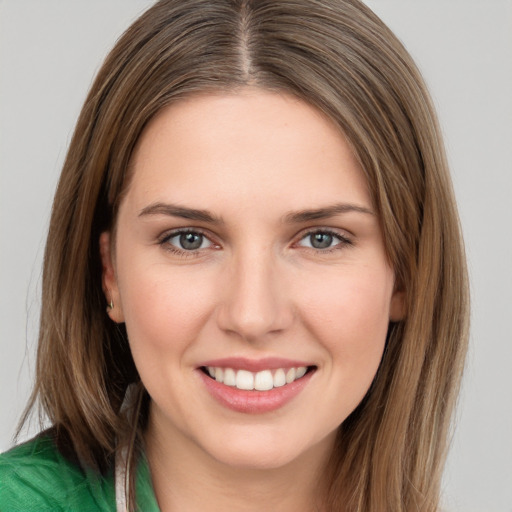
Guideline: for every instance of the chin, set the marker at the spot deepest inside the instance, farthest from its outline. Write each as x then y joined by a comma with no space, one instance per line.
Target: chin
252,460
249,451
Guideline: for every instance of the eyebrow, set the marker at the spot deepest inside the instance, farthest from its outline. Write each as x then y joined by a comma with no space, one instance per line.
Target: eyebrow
180,211
289,218
324,213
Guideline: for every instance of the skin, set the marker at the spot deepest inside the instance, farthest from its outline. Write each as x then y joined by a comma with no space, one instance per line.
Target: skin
255,288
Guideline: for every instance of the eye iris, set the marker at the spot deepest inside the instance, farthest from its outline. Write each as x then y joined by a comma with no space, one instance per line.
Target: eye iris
321,240
191,241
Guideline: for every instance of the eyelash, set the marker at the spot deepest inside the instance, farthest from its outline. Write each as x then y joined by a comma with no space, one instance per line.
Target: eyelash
166,237
343,241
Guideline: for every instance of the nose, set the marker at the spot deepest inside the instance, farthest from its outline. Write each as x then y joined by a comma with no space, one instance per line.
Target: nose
254,302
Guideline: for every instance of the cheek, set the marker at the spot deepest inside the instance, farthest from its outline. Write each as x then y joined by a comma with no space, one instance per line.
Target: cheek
163,310
350,317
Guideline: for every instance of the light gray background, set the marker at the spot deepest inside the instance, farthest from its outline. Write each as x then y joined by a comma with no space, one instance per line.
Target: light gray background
49,52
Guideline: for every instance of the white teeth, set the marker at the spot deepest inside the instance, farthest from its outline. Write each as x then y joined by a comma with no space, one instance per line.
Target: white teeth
259,381
279,378
301,371
244,380
229,377
290,375
263,381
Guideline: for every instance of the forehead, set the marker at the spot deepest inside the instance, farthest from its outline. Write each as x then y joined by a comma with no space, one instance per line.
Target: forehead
238,147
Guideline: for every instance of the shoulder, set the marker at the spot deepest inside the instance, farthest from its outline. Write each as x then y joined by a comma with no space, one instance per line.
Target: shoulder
35,476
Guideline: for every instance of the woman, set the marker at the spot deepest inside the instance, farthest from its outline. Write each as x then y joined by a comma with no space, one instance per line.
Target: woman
254,291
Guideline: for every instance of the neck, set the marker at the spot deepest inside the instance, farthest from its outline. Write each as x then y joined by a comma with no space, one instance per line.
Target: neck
187,479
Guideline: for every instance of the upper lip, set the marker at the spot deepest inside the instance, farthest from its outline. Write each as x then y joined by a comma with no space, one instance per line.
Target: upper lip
255,365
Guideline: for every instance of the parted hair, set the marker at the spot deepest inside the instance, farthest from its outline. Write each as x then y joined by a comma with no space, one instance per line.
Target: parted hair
338,56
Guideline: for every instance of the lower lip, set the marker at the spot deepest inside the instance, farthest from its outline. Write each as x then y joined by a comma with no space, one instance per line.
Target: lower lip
254,402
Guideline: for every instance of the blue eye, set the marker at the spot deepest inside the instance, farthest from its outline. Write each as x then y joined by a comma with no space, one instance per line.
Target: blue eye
188,241
322,240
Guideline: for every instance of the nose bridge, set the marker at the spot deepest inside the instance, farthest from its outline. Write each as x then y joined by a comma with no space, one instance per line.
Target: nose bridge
254,300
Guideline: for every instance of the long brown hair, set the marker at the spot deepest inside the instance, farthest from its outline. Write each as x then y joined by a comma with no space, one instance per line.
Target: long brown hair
339,57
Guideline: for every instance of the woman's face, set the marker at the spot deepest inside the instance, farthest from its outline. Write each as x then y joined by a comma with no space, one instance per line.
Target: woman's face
247,248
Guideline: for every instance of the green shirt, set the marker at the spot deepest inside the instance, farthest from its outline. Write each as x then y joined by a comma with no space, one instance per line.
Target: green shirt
35,476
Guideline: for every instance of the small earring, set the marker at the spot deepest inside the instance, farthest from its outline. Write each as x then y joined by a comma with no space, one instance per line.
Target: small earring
110,305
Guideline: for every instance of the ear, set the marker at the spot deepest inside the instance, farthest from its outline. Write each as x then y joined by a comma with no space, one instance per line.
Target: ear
109,280
397,308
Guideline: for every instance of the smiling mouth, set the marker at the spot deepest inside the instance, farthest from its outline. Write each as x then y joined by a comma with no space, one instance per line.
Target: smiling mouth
264,380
